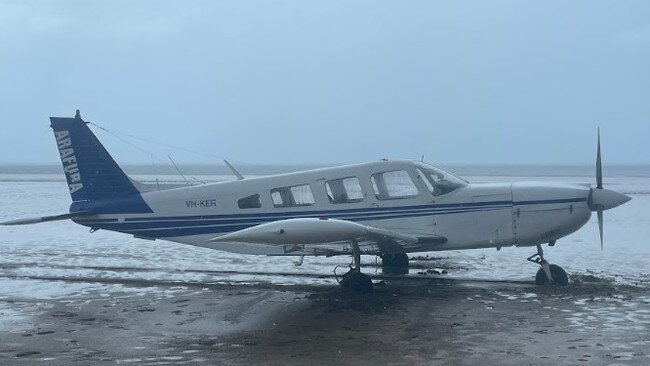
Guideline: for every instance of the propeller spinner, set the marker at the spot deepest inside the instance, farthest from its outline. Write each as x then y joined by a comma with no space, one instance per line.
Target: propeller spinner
601,199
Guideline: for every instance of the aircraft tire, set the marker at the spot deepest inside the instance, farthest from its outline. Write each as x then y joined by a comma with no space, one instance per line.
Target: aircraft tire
395,264
356,282
395,260
559,276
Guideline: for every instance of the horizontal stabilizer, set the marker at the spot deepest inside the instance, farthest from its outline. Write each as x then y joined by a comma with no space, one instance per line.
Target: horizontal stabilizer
38,220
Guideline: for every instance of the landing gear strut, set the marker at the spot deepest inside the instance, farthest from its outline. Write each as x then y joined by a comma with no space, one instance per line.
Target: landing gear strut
354,280
395,263
549,274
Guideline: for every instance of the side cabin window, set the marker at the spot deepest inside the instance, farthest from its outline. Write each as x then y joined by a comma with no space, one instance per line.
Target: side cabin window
393,185
252,201
344,190
439,182
293,196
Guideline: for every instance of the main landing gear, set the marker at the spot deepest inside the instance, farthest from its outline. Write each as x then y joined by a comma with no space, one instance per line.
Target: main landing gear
549,274
354,281
395,263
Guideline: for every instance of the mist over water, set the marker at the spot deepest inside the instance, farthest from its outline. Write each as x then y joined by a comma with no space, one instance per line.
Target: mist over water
218,172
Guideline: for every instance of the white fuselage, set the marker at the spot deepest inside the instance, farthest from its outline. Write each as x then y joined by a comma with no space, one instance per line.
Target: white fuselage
471,216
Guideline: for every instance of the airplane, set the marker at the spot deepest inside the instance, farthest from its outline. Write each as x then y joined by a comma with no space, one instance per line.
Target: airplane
386,208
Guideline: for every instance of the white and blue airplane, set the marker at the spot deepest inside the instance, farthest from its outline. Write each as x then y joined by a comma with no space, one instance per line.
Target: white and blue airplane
385,208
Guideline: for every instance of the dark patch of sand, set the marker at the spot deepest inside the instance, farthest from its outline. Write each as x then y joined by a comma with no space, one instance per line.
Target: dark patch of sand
403,322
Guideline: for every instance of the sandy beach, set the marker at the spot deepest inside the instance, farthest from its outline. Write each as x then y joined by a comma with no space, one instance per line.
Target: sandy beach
409,321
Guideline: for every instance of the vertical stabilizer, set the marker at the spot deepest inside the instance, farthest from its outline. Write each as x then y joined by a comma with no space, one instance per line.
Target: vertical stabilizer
95,181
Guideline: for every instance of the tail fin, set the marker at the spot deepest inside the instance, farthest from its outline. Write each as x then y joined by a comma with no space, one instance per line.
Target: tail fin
96,182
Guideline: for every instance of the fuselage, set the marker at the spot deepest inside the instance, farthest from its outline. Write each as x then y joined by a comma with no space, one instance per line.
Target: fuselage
404,196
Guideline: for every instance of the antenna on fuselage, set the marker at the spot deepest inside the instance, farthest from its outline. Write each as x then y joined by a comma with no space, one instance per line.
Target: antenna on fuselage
233,170
155,172
178,170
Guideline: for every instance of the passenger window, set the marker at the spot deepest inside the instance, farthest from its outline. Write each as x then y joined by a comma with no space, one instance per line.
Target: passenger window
292,196
393,185
252,201
345,190
280,197
302,195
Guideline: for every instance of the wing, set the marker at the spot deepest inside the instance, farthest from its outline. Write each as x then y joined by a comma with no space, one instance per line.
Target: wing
324,236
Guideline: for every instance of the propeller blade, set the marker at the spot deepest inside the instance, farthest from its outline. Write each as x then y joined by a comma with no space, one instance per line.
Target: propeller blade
600,227
599,167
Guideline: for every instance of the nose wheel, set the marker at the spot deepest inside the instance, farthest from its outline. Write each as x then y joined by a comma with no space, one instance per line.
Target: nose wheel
549,274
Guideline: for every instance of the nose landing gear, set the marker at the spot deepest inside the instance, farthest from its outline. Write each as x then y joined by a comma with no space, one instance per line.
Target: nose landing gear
549,274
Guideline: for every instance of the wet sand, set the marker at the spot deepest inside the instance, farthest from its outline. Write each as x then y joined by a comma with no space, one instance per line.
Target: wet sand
71,298
409,321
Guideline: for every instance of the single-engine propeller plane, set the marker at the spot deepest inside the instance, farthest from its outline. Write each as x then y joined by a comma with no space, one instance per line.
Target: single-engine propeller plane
384,208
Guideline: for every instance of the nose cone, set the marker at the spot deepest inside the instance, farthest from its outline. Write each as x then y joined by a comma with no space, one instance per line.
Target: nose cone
605,199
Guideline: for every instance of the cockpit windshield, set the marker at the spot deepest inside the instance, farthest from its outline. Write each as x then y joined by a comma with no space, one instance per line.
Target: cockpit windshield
438,181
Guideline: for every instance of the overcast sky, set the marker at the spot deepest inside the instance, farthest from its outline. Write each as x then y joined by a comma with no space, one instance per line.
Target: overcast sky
331,81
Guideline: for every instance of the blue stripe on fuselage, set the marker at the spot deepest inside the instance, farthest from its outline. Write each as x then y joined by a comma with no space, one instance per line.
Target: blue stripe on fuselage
290,215
173,226
262,219
202,228
180,220
330,212
545,202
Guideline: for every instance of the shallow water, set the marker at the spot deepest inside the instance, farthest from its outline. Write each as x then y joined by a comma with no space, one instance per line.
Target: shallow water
33,256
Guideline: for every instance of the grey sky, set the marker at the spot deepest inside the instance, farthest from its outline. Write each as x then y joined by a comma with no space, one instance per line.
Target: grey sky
331,81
